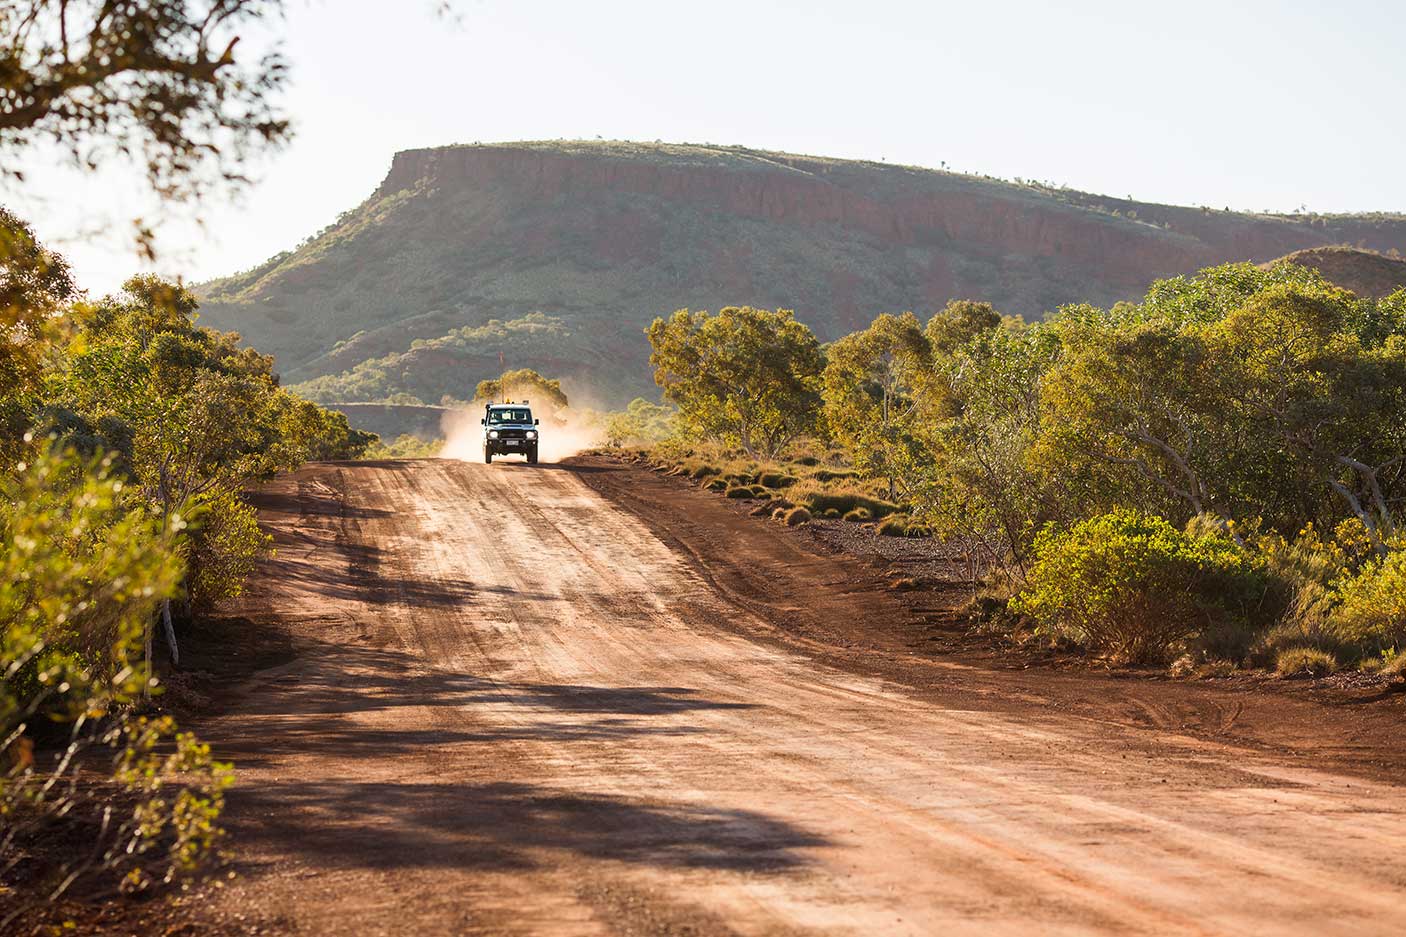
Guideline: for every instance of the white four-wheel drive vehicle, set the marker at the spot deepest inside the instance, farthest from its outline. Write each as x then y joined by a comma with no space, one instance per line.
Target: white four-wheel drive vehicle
509,429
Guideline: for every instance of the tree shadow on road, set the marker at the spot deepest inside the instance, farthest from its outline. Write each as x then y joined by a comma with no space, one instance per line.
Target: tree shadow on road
501,826
346,701
306,504
400,753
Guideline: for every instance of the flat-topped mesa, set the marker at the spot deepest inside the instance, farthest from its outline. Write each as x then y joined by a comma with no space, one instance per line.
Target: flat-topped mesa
555,255
898,205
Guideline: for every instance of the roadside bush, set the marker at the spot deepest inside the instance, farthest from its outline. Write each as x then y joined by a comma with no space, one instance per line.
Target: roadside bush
224,549
717,484
1133,587
83,568
830,513
795,517
858,515
1296,661
738,491
704,471
1372,604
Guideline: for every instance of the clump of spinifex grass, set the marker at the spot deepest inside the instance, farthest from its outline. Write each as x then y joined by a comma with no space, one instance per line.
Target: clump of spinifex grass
795,517
842,494
813,477
1305,661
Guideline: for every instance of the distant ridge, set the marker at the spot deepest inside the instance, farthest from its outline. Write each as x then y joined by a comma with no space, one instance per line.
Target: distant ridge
555,255
1366,273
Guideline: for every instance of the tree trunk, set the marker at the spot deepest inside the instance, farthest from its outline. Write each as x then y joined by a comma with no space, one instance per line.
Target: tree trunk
146,653
170,633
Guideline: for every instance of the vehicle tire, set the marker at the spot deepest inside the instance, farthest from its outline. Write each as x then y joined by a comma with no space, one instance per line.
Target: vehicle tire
532,455
488,455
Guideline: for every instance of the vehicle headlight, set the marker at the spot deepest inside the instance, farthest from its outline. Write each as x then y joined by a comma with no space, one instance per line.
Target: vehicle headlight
532,434
493,434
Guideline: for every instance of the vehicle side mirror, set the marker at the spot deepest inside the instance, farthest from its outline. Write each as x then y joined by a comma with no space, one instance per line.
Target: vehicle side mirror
483,422
536,422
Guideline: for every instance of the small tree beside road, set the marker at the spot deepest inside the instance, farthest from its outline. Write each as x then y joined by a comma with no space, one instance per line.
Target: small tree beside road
747,377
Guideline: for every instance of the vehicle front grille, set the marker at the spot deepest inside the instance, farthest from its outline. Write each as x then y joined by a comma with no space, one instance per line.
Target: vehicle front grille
512,434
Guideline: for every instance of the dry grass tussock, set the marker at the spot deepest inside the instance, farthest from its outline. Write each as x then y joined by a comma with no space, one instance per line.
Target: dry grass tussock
813,477
1305,661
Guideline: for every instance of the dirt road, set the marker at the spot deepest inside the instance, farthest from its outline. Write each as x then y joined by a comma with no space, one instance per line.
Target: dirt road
522,704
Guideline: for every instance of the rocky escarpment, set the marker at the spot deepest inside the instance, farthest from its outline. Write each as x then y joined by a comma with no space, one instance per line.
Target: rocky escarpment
598,238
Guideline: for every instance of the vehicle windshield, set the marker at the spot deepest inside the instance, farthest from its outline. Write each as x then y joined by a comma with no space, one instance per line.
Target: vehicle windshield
510,415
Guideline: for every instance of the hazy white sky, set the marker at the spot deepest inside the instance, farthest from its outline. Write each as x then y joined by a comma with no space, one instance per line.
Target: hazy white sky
1247,103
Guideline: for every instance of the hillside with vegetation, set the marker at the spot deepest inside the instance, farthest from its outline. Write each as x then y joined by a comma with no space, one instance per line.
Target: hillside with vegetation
555,255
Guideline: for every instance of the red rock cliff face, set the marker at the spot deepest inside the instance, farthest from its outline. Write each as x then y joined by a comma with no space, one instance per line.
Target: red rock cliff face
915,208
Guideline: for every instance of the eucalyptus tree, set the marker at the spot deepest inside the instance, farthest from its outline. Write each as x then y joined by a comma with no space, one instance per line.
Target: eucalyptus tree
165,82
749,377
874,388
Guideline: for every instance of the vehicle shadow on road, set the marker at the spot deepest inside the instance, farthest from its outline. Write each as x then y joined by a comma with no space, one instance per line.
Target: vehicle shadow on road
506,826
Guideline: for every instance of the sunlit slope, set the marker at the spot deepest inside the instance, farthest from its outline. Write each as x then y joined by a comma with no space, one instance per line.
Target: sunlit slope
554,255
1364,272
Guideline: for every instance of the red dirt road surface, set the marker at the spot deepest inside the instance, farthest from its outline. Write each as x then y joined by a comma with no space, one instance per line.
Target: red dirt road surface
585,700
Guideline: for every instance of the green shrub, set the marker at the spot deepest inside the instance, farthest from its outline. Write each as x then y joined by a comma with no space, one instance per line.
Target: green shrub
807,460
738,491
83,569
776,479
830,513
795,517
717,484
1295,661
1132,586
859,515
225,547
1371,607
1299,595
704,471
